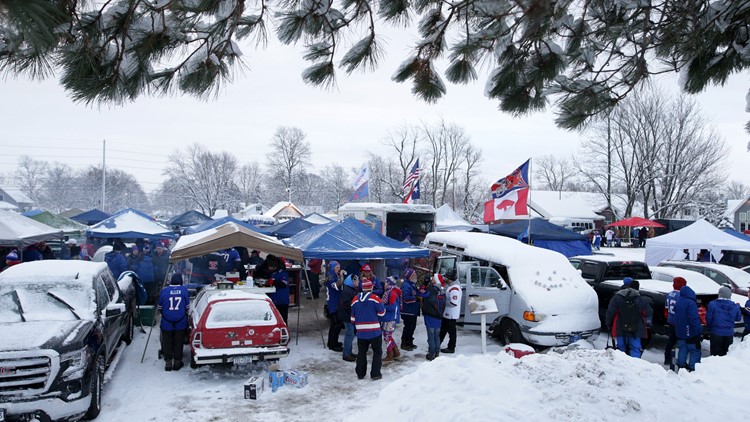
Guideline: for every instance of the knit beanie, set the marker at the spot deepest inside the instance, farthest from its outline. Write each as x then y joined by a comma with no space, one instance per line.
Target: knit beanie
627,280
678,282
724,292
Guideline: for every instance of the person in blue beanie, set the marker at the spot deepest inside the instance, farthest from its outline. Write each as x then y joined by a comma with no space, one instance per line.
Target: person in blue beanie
173,305
334,283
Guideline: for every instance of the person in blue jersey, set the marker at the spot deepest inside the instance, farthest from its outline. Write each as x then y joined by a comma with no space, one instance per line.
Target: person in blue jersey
173,305
367,310
720,318
334,283
669,304
279,278
688,329
409,308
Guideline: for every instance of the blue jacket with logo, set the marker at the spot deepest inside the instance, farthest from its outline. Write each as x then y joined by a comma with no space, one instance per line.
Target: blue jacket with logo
687,323
334,293
367,309
721,316
669,303
409,302
281,283
173,304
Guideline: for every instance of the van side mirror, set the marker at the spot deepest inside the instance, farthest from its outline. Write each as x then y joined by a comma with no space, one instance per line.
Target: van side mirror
114,309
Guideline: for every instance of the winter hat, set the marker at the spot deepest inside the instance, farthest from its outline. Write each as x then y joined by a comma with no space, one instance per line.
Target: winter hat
176,279
116,247
146,248
724,292
332,265
635,285
439,279
408,273
366,285
366,267
678,282
626,281
391,280
12,255
71,242
450,275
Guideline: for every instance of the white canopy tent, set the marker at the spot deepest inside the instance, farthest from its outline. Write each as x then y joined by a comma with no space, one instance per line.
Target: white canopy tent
19,231
448,220
699,235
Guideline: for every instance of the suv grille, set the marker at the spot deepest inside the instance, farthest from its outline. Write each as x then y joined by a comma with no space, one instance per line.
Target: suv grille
24,375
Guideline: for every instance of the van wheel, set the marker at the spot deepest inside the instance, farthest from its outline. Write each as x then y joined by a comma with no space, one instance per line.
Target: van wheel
509,332
95,388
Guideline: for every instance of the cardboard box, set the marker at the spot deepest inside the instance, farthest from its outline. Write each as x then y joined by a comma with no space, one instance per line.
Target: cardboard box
275,380
295,378
254,387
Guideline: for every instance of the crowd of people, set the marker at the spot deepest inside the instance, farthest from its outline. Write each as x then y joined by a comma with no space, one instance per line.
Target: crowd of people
629,316
370,311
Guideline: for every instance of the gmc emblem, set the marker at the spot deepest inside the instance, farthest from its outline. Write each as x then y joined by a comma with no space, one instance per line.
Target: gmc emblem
8,371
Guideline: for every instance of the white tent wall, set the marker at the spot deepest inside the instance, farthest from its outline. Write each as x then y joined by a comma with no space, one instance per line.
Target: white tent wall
699,235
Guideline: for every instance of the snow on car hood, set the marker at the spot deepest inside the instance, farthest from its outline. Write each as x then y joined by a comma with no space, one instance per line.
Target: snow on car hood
37,335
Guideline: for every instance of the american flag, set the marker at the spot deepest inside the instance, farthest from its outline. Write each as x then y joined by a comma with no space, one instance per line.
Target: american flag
413,177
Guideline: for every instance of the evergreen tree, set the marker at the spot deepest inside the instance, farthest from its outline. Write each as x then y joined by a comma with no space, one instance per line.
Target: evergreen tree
587,55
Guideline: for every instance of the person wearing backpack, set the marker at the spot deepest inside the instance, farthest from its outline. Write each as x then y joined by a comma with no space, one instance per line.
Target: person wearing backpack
433,305
628,316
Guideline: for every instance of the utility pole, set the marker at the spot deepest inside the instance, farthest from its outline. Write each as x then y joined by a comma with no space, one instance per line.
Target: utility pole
104,170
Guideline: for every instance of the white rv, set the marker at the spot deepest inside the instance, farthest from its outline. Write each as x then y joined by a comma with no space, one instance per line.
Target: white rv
397,221
540,297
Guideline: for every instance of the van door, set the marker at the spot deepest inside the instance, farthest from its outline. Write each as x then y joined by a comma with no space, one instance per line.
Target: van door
487,282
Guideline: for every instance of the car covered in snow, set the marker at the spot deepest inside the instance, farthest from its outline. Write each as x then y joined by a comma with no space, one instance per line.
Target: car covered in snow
60,324
235,326
540,298
724,275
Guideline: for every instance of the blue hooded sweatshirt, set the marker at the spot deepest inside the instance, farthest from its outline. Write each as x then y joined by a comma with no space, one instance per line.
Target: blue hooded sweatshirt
721,316
687,323
116,263
746,315
334,293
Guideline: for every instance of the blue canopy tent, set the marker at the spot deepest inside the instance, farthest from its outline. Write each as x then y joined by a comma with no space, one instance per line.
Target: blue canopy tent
546,235
187,219
129,223
218,222
91,217
288,228
737,234
351,240
31,213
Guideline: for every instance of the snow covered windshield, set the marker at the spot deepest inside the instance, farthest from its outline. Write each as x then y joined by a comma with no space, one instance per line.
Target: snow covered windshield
44,301
239,313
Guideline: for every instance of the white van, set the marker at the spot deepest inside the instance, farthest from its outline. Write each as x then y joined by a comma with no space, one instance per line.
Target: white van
541,298
578,225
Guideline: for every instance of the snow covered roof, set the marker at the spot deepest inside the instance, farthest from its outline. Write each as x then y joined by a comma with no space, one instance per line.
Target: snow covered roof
284,209
316,218
67,225
71,212
449,221
17,230
60,269
564,204
7,206
733,205
17,195
354,206
129,223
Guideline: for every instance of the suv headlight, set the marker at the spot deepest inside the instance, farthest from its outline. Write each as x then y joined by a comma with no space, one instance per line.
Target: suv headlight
74,363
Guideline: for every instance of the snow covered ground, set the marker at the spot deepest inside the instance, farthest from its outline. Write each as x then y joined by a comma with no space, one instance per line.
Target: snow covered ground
581,384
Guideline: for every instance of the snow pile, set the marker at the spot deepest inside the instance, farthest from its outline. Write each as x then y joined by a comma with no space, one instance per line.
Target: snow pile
575,385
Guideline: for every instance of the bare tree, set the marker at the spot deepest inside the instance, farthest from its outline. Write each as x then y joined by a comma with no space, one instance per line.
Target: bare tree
60,187
336,186
288,152
249,179
405,141
736,190
123,190
445,147
553,173
30,175
472,186
205,178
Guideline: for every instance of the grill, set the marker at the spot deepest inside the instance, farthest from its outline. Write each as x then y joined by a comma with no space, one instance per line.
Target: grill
24,375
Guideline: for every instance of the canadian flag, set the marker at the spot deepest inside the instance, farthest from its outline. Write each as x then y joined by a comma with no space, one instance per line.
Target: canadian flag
510,205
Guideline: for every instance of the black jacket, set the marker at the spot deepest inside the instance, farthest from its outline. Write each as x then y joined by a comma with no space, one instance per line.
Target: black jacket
643,305
344,311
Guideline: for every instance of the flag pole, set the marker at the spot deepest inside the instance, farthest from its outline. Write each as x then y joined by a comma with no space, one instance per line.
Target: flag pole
528,200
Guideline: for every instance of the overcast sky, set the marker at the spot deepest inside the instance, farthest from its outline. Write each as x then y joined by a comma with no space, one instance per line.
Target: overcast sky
38,119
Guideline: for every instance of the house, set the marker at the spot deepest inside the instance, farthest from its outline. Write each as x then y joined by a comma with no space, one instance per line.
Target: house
738,213
13,199
284,211
558,207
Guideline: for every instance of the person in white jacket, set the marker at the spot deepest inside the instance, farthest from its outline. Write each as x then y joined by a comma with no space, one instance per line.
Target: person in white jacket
452,311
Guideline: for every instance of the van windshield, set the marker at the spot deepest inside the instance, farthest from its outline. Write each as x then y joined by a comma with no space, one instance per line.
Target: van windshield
618,271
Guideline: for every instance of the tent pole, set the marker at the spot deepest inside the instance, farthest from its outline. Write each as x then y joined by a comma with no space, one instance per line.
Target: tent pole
315,307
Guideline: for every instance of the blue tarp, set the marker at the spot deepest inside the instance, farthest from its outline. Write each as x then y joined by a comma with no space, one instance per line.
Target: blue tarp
91,217
351,239
546,235
737,234
216,223
129,224
288,228
190,218
32,213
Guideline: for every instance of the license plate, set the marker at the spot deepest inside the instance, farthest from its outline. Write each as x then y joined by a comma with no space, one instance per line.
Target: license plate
241,360
575,337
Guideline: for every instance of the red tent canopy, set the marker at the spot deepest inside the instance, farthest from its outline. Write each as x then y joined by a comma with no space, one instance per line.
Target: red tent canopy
636,222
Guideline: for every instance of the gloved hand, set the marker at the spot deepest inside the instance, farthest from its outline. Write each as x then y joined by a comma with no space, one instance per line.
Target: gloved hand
695,340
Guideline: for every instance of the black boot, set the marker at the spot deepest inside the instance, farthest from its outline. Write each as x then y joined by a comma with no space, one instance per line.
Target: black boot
168,366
